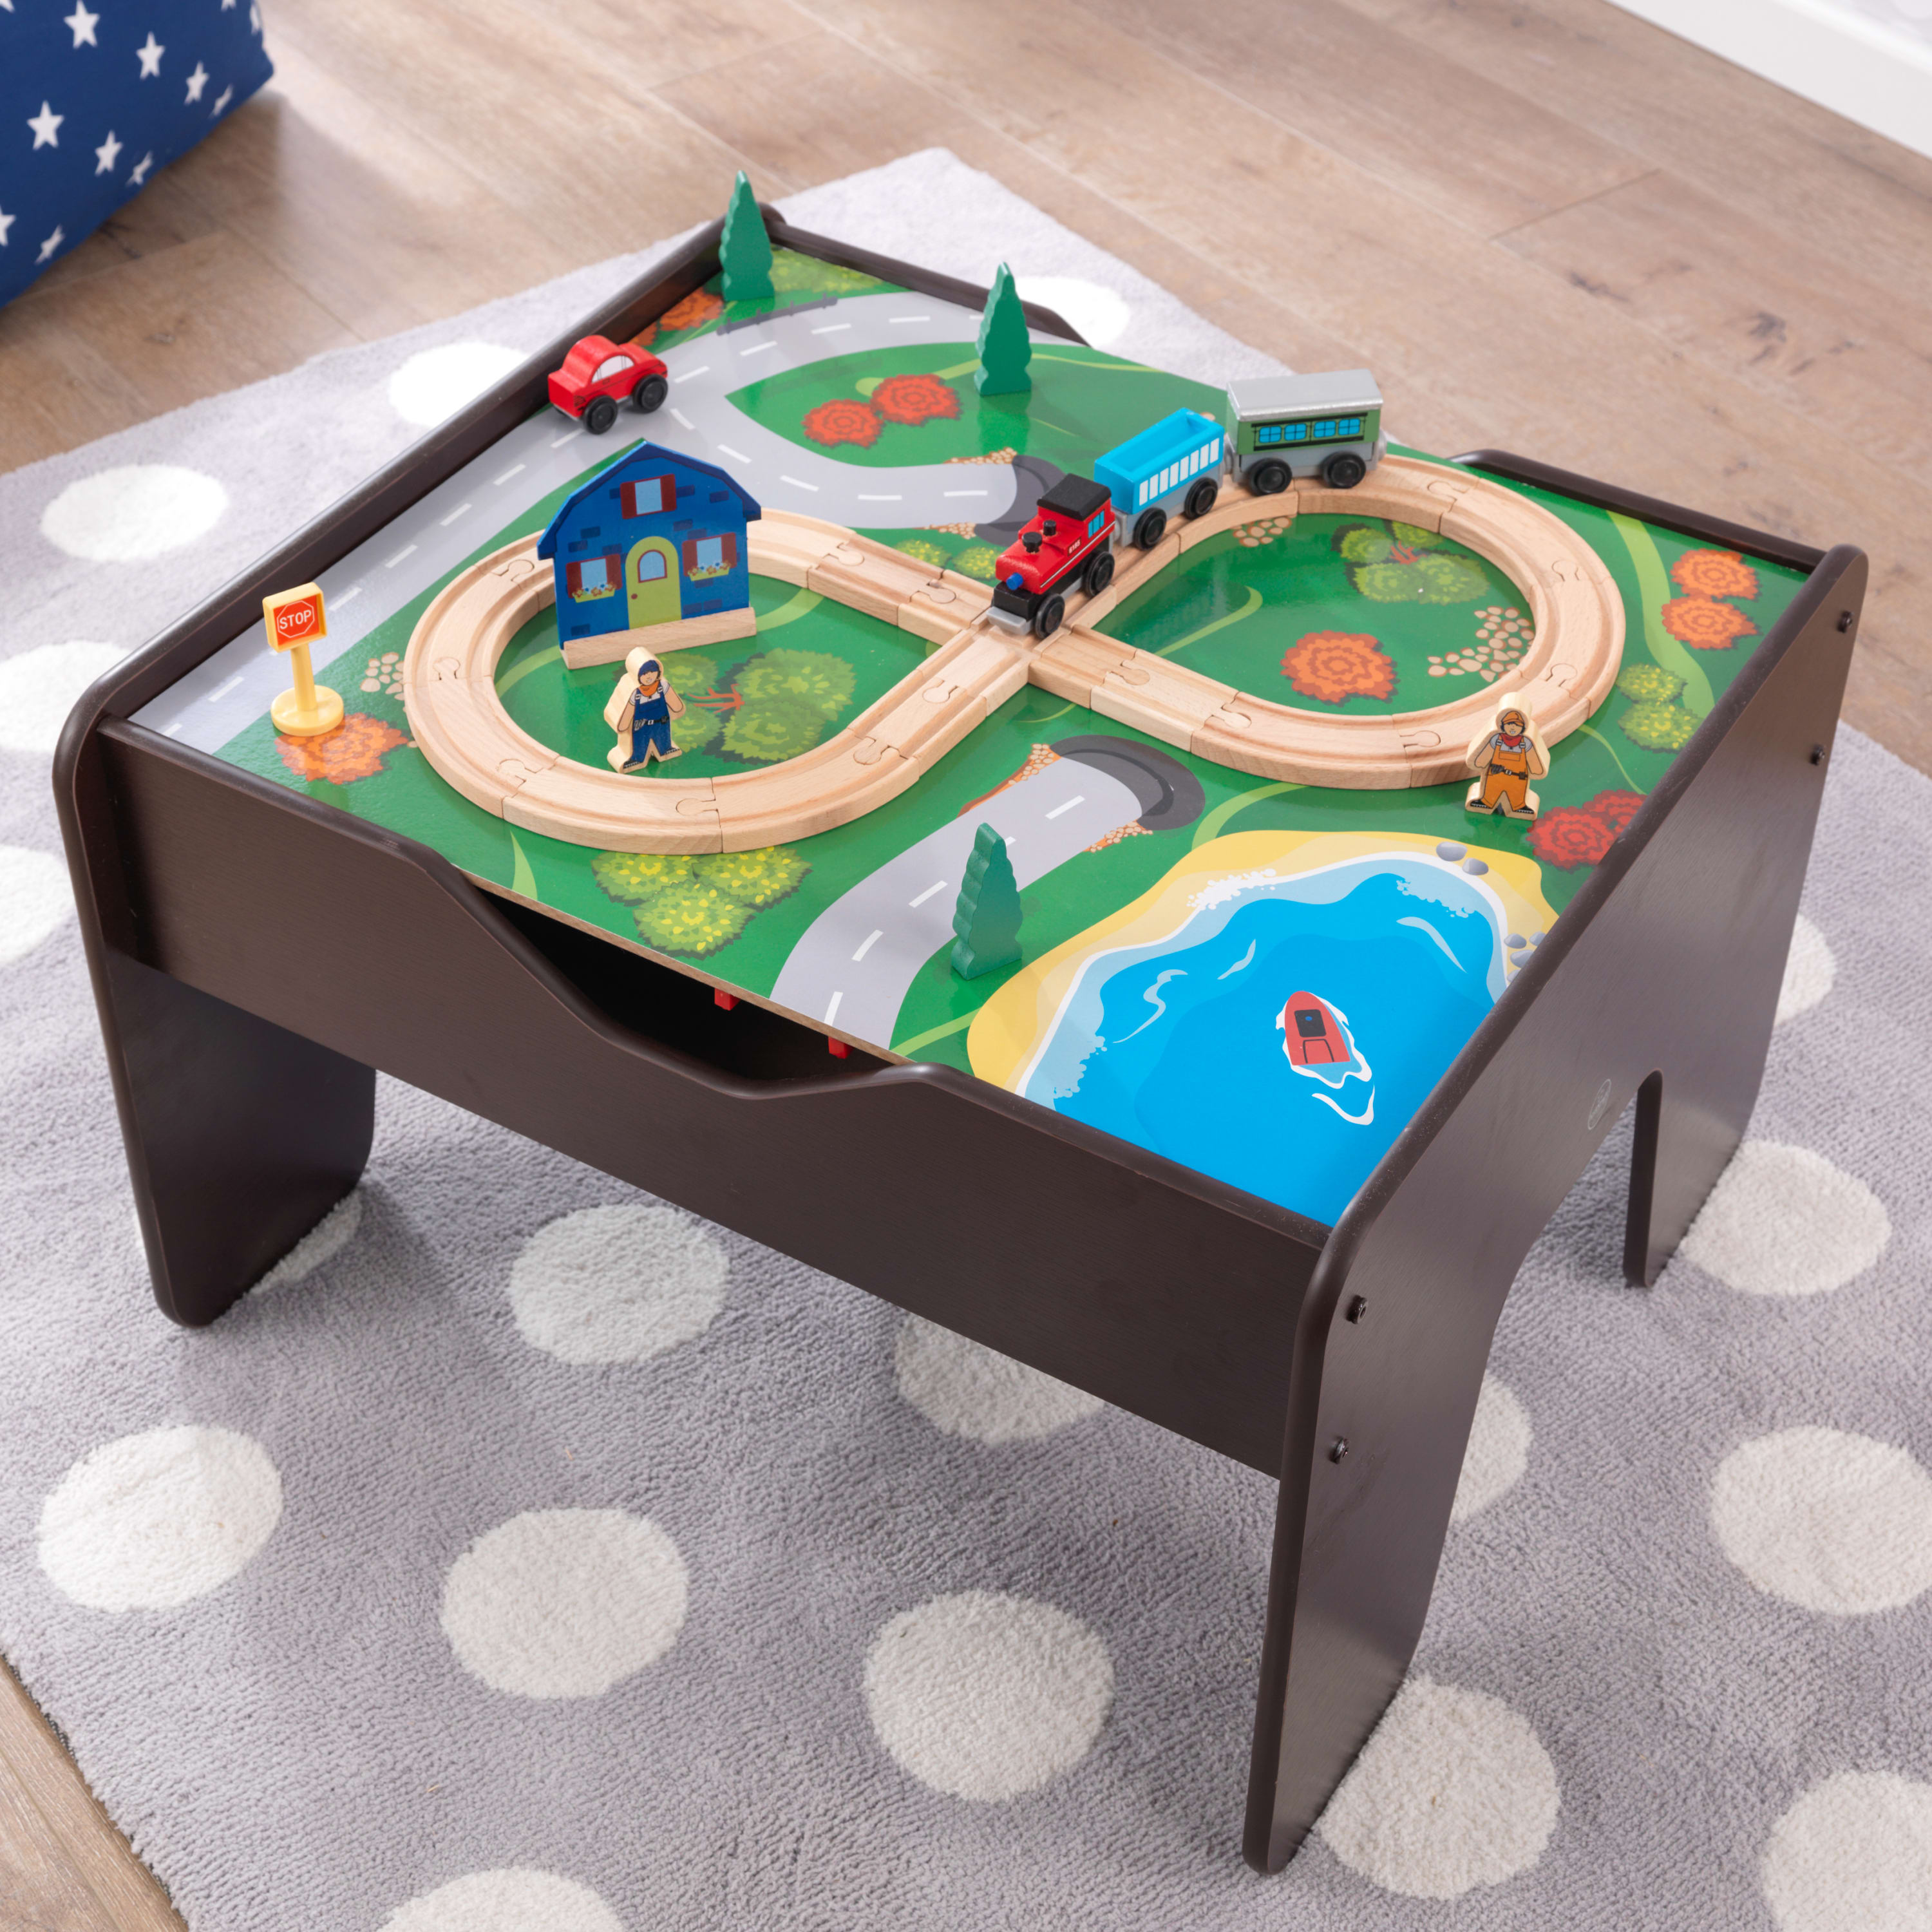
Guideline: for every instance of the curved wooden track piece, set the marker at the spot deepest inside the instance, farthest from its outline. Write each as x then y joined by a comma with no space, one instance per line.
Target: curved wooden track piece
449,688
449,691
1574,606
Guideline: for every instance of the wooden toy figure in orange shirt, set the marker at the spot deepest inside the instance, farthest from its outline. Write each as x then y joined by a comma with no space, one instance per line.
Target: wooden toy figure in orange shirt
639,712
1504,758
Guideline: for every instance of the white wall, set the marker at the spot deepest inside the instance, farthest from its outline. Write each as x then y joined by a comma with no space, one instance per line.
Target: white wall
1869,60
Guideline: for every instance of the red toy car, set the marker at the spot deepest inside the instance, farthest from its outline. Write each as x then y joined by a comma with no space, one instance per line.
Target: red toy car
599,374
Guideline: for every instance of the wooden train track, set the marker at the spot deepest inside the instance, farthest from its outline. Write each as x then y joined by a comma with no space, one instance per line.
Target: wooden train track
449,686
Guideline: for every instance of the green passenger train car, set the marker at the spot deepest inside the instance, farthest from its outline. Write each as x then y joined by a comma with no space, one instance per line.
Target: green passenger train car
1328,426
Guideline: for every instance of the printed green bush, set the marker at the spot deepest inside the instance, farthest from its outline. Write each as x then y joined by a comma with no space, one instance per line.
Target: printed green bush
1416,537
694,903
816,677
1428,580
781,724
1649,684
793,273
1363,544
696,921
1658,727
634,876
756,879
690,674
924,550
977,560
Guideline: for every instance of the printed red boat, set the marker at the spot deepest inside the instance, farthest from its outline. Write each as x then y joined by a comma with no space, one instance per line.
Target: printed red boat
1311,1034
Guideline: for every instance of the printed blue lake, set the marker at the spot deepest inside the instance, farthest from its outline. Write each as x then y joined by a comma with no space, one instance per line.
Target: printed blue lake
1174,1045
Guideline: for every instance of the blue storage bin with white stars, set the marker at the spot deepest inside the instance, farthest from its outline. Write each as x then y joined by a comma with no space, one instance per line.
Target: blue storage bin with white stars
94,96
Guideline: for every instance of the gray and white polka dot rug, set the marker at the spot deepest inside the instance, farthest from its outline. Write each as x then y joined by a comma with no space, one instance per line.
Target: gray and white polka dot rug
524,1556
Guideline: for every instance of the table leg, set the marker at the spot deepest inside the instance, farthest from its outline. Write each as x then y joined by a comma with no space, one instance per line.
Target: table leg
240,1135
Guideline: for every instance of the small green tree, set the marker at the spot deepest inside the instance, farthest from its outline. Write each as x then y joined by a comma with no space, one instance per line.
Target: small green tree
1005,347
986,915
744,249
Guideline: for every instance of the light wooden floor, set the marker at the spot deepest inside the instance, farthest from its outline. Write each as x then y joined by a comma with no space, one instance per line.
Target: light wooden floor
1543,224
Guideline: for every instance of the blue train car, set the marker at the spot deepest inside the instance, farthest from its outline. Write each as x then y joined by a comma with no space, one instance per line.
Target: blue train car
1173,464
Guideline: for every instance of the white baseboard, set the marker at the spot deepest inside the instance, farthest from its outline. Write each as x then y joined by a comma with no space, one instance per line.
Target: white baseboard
1844,61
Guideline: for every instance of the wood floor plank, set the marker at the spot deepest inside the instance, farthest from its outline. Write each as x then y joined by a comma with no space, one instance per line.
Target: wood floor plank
1845,353
549,135
150,335
63,1868
1463,146
1833,192
351,204
770,106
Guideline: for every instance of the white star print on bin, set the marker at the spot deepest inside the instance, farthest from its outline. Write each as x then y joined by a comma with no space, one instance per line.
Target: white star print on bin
107,154
149,55
83,24
45,125
51,245
197,81
6,222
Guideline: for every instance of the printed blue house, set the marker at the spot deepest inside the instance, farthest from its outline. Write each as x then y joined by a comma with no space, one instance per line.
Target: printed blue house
654,538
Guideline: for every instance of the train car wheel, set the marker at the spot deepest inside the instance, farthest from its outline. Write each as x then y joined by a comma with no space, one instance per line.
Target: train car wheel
1343,471
1099,573
1046,619
1268,479
1200,498
1150,528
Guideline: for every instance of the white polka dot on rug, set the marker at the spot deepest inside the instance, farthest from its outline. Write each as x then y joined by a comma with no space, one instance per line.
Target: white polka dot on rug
35,896
1096,311
323,1243
968,1389
565,1603
1783,1221
1498,1453
1827,1520
617,1284
151,1521
984,1696
1454,1790
516,1899
434,383
1853,1854
1809,972
38,689
129,514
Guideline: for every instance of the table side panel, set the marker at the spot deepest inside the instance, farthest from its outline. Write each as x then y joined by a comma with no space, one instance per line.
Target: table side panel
1036,1236
1671,967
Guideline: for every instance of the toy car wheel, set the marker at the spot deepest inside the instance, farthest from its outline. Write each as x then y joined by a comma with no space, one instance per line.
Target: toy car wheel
1268,479
1343,471
1099,573
650,393
1151,528
1046,619
599,414
1200,498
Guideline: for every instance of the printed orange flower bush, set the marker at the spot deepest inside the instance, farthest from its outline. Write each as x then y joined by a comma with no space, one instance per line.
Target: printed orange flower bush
1714,573
1705,624
1571,835
914,399
353,750
1334,665
698,308
842,420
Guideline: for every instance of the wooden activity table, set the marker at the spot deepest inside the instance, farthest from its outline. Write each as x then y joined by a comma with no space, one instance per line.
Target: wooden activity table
260,946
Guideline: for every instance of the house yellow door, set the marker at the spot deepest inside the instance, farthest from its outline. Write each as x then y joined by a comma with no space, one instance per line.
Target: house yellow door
651,583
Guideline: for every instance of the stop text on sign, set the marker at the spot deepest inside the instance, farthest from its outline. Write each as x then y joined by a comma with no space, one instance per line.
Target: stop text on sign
295,617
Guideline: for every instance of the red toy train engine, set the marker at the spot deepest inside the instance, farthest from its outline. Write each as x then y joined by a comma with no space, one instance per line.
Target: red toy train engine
1069,542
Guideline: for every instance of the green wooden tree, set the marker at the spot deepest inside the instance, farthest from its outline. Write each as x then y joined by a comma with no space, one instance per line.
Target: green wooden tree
744,250
1005,347
986,916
